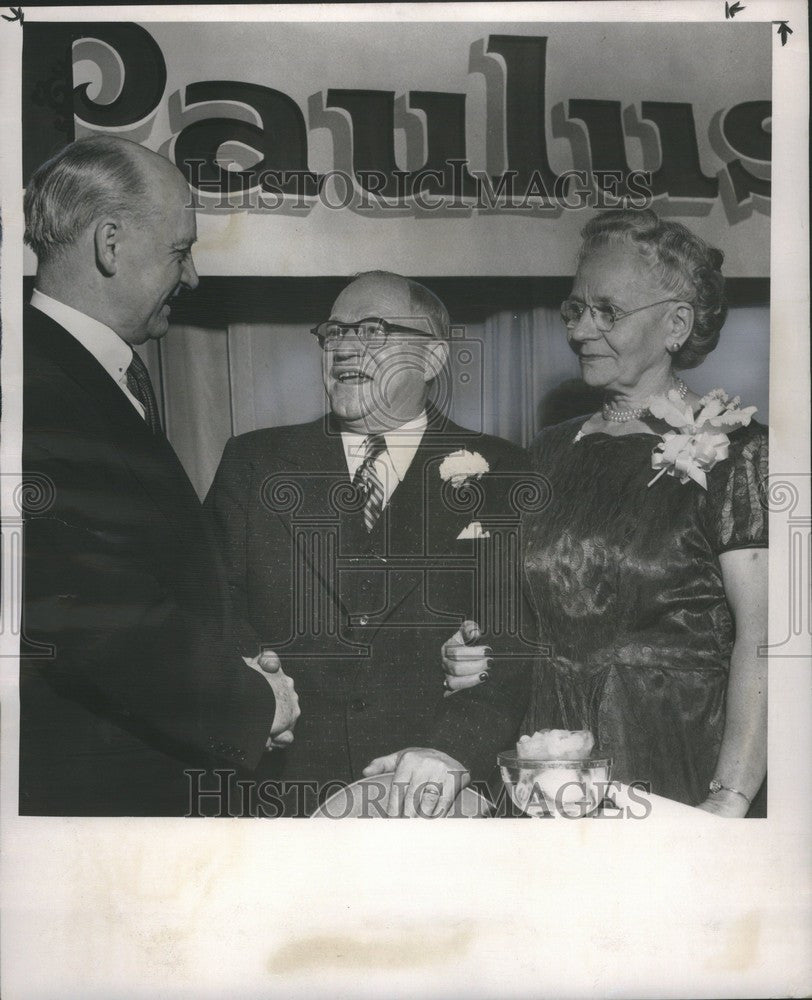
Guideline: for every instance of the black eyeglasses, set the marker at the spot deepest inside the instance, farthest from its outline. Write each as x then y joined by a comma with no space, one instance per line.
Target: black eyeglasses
604,317
371,332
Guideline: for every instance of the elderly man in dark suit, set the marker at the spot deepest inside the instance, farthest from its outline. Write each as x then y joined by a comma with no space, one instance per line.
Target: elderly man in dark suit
357,543
140,677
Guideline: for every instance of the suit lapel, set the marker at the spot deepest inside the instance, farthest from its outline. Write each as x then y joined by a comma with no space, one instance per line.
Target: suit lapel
419,513
317,470
416,524
322,449
405,510
150,457
320,468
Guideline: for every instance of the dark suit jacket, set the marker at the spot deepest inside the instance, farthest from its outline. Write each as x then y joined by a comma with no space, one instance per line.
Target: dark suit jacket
122,580
358,619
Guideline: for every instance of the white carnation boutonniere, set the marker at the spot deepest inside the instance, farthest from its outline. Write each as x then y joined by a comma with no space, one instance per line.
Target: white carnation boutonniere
462,465
698,441
474,530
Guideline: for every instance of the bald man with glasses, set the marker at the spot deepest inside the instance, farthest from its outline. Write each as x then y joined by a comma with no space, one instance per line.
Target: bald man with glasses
352,556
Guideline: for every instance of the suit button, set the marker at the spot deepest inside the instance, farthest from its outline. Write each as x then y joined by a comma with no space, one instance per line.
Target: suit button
358,705
363,620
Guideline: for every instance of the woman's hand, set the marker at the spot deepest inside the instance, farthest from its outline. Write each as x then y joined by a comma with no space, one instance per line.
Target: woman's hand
742,761
725,804
465,664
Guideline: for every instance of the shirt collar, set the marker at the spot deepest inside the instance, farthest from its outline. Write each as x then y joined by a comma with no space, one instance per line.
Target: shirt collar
112,353
401,444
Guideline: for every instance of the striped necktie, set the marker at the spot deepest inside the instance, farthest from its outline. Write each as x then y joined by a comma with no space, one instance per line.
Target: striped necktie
367,478
140,385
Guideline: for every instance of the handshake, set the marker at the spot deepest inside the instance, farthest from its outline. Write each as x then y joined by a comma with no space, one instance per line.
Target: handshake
287,701
465,663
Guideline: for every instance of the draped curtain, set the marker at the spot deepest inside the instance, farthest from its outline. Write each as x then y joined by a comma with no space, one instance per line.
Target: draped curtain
505,373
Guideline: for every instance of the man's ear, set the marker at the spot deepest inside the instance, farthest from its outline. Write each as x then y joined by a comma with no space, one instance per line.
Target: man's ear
680,324
436,358
106,243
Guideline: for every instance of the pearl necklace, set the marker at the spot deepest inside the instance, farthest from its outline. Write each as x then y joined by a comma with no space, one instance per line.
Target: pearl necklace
623,416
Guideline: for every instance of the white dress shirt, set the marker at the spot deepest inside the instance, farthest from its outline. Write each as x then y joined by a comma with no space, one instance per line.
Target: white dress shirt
112,353
393,463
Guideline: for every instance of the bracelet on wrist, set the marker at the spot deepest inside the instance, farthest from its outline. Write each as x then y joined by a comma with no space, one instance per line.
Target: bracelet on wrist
717,786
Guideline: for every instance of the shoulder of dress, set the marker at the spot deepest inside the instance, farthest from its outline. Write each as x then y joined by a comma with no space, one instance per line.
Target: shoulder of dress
561,433
748,449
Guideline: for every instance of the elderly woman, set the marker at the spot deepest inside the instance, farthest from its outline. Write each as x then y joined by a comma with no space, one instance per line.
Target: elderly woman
648,568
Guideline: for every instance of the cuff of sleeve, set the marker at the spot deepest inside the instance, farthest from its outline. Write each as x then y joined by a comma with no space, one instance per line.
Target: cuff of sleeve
750,544
243,731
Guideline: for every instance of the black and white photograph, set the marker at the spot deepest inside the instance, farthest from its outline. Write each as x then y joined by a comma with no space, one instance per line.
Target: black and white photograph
405,415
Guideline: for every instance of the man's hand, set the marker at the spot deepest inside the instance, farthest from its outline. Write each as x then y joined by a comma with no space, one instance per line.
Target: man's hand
425,783
464,663
287,701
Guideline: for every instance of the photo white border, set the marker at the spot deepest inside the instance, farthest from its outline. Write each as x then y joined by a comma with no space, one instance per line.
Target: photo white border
132,907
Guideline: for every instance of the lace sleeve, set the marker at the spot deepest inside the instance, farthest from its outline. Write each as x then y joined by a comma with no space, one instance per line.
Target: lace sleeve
737,518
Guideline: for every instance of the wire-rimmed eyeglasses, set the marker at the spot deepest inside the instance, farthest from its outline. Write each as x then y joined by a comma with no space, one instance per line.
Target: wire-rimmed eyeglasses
604,317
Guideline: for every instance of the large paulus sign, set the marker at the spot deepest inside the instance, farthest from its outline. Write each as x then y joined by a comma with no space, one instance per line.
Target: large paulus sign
477,131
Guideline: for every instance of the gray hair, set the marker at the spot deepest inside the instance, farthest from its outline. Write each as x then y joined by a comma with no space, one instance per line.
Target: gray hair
423,302
88,179
685,266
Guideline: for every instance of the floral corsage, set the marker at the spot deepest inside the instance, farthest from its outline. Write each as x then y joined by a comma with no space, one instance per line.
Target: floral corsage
698,442
462,465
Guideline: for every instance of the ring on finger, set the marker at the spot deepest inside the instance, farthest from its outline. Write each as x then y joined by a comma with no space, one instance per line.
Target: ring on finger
429,798
429,801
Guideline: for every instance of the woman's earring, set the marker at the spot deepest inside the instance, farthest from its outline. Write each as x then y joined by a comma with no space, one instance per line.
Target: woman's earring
673,348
